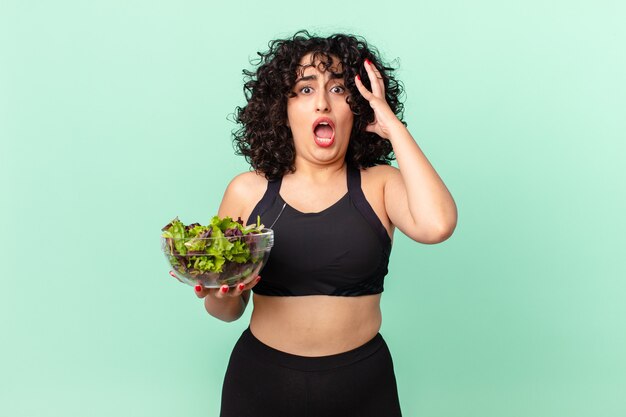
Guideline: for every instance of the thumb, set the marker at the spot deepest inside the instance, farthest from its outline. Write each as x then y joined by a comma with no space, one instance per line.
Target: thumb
172,273
371,127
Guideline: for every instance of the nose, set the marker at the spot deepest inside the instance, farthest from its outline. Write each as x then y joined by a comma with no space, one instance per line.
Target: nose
321,104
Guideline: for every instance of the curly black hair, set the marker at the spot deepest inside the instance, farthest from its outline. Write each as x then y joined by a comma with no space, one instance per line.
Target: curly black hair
265,139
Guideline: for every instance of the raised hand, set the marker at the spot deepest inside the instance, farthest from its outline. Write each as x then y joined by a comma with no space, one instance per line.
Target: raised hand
384,117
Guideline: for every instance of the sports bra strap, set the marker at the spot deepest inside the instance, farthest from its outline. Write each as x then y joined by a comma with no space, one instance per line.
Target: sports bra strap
364,207
273,187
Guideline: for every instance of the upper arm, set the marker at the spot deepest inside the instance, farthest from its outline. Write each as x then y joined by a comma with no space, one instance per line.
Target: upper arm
241,195
396,201
397,207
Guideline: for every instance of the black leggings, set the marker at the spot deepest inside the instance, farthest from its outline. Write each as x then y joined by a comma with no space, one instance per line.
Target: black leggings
264,382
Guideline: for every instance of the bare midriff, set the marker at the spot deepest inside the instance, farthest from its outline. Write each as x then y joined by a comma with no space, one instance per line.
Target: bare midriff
315,325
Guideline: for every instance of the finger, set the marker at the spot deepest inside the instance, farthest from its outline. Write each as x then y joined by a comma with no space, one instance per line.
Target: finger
241,287
254,282
172,273
222,291
236,292
378,87
225,290
371,127
367,95
201,292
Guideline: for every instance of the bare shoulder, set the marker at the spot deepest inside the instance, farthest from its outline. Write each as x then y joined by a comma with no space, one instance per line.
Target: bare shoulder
246,183
380,174
242,194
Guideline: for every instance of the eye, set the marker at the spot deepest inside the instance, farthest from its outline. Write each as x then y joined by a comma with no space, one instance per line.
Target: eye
306,90
338,89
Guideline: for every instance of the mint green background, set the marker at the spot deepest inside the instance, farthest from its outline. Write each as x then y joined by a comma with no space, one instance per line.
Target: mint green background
113,120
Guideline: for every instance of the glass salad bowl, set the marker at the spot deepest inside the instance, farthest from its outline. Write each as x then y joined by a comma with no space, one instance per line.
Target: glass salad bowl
214,258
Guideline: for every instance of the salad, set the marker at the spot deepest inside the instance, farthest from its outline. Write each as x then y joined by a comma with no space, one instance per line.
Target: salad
222,252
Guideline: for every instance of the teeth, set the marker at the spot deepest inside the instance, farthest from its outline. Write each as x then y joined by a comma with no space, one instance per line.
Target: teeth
323,140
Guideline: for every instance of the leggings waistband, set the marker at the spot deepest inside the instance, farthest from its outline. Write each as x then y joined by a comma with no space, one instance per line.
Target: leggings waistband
248,344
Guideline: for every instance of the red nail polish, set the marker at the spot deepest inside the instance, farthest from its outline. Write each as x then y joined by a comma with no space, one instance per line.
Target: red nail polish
368,61
358,77
258,279
241,286
224,289
173,274
198,288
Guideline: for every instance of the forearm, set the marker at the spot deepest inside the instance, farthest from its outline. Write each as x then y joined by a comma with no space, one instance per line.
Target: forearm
226,309
429,200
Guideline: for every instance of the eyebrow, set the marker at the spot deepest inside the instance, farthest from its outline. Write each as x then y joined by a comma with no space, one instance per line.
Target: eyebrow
333,76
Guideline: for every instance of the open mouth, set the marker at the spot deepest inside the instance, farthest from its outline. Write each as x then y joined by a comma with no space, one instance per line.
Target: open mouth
324,132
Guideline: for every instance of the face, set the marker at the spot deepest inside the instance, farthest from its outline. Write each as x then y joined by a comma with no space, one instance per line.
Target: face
319,116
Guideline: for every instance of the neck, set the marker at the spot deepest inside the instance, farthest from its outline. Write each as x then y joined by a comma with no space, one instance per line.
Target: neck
308,171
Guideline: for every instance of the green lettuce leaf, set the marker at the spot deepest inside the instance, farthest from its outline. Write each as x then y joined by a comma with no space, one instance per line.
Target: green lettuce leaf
227,243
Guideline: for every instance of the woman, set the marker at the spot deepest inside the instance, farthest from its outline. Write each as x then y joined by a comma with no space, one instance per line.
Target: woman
320,125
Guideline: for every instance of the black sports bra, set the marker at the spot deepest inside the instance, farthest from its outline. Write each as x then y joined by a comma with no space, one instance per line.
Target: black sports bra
342,250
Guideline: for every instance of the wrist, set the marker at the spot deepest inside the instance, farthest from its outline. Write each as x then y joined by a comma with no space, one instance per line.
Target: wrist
396,128
227,308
